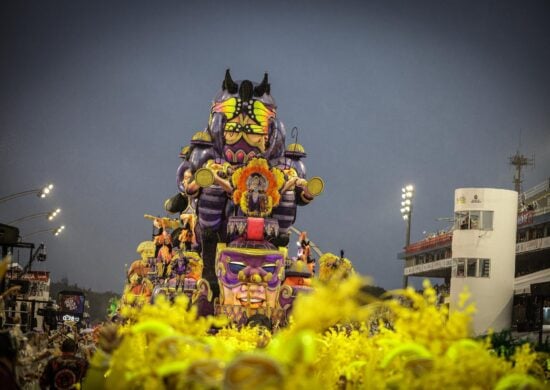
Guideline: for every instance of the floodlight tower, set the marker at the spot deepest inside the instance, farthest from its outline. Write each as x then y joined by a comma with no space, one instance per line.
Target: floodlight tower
407,194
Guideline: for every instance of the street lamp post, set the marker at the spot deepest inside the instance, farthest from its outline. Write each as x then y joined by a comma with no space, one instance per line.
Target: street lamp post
407,194
56,231
49,214
40,192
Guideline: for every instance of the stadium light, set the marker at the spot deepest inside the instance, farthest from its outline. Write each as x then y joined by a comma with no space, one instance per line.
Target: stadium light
40,192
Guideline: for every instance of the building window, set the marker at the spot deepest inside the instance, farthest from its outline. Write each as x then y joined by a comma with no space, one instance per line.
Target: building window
462,221
474,220
487,220
458,269
471,268
484,268
522,236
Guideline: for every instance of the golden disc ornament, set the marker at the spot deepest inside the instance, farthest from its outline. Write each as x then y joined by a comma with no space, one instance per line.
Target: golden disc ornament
204,177
315,186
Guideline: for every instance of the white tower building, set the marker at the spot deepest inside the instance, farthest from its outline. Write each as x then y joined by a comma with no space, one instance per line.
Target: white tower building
483,248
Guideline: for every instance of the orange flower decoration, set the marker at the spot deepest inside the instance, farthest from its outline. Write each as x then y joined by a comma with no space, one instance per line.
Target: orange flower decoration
274,178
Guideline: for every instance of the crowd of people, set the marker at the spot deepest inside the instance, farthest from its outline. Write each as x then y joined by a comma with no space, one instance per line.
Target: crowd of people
56,359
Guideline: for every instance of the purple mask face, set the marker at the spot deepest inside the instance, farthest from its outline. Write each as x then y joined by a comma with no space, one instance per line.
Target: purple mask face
240,152
232,262
259,281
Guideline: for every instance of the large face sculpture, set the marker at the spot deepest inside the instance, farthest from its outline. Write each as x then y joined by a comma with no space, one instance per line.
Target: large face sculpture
249,277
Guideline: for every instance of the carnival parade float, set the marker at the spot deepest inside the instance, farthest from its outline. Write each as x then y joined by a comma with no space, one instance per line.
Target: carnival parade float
222,298
239,189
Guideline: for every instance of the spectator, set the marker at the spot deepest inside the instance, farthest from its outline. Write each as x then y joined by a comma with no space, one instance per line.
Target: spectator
8,357
3,299
65,371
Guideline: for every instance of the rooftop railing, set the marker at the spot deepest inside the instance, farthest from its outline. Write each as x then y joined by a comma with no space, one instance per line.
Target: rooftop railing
534,191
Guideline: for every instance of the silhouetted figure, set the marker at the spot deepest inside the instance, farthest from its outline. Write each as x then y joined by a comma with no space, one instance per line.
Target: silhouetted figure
65,371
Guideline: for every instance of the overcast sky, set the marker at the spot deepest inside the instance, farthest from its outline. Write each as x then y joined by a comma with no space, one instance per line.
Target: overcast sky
98,98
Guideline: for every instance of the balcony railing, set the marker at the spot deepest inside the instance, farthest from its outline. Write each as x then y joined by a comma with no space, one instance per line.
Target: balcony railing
430,242
533,245
532,192
431,266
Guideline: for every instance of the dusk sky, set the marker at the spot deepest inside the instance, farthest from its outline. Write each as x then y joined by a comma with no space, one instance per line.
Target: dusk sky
98,98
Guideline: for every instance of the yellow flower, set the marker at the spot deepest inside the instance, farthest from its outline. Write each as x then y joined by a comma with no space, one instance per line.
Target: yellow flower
338,337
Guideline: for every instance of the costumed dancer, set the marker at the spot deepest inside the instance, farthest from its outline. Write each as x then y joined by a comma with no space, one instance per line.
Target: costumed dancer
187,236
304,252
179,269
142,267
138,291
163,243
